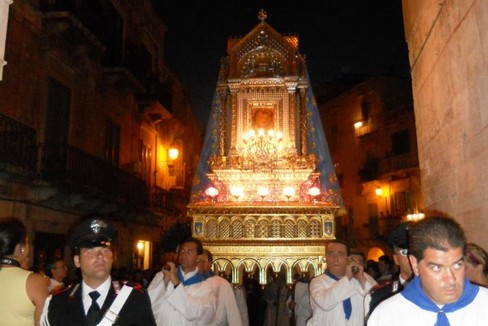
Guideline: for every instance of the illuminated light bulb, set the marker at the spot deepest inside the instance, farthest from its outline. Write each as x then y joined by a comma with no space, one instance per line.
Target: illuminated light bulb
140,245
211,192
236,192
288,192
378,191
263,192
314,191
173,153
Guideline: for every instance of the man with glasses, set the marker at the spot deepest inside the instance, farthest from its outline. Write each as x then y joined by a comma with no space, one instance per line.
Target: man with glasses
57,272
398,242
97,300
180,295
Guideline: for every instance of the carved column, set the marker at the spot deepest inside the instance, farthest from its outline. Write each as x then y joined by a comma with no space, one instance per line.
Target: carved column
292,129
303,121
233,120
222,120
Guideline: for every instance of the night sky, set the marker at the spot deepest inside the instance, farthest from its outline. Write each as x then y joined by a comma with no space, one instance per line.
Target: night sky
340,38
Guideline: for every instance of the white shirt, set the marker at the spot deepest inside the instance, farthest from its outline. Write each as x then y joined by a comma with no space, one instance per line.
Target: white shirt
186,305
227,311
303,310
398,311
53,284
327,296
102,289
241,301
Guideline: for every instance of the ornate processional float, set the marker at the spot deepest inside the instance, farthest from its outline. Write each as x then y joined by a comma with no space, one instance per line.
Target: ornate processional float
265,193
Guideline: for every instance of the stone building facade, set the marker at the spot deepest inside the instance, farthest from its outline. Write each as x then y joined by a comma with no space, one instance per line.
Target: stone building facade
370,129
448,51
88,112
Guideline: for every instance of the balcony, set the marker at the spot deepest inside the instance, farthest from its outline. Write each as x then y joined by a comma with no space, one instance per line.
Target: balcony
374,167
17,144
362,128
161,199
398,162
66,165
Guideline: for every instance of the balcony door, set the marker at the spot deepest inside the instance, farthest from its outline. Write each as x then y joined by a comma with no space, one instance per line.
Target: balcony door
57,126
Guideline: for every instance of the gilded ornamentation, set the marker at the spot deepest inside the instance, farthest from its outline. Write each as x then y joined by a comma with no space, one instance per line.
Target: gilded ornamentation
259,217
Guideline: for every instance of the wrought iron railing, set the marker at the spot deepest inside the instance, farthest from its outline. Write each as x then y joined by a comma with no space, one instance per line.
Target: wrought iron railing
161,199
17,144
68,164
65,164
398,162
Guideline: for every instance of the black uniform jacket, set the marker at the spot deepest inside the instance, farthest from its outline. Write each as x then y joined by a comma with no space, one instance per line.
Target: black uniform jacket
383,292
66,308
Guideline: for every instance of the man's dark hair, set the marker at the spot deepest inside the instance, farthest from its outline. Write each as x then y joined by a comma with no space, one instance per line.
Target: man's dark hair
439,233
341,242
52,265
195,241
209,254
387,260
356,252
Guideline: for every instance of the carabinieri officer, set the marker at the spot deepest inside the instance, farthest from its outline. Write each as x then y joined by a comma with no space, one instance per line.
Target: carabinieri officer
97,300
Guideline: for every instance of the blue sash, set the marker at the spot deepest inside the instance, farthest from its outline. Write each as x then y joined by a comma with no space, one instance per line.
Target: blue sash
197,278
208,274
413,292
345,303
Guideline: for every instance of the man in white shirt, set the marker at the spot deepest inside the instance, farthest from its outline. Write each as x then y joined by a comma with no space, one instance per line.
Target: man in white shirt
336,297
227,312
180,296
299,304
440,293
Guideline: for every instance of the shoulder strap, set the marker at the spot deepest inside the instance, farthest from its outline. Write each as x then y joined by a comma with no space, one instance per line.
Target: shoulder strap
112,313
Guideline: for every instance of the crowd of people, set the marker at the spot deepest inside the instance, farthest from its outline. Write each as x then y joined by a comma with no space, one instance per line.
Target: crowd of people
433,277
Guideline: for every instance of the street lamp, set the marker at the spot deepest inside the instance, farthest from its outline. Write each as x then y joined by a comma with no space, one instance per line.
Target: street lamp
379,192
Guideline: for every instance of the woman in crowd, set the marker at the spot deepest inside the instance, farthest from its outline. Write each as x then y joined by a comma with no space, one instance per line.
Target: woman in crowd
476,264
23,292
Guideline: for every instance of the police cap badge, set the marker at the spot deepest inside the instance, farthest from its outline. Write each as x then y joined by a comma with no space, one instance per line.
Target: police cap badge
91,233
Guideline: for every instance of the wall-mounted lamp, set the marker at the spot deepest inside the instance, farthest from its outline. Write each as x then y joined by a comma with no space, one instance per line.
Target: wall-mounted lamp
378,191
173,155
140,245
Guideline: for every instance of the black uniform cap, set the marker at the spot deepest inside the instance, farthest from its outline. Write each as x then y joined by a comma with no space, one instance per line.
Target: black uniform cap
399,236
92,233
